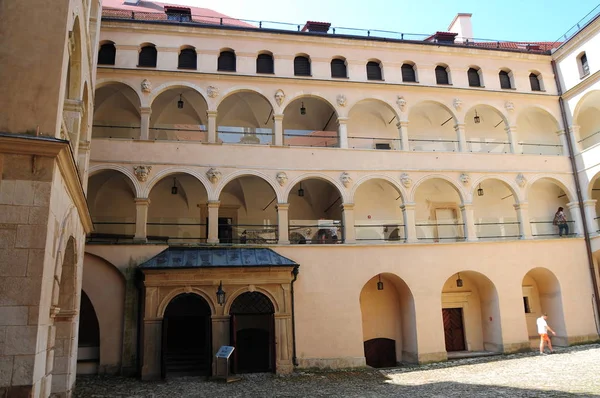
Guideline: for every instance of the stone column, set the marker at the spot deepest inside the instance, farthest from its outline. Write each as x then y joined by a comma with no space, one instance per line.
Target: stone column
590,216
410,227
141,218
65,349
524,221
511,134
283,223
83,160
145,113
348,217
575,227
72,111
213,221
461,137
283,343
574,136
212,126
469,219
343,131
278,129
220,337
152,347
563,140
403,133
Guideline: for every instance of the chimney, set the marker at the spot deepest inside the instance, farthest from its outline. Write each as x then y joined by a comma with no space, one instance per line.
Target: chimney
461,25
318,27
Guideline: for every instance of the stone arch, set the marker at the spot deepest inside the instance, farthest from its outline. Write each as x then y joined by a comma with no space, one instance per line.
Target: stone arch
462,195
98,168
437,103
551,178
511,185
319,176
491,107
246,289
585,117
244,88
537,127
590,186
241,173
545,194
108,81
370,177
581,102
160,311
179,84
175,170
76,60
302,94
541,108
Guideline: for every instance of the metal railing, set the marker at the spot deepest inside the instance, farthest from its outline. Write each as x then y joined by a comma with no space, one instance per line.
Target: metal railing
108,131
488,146
530,148
178,134
437,232
388,232
586,143
373,143
177,231
433,145
498,230
311,138
316,233
243,135
582,23
547,228
255,234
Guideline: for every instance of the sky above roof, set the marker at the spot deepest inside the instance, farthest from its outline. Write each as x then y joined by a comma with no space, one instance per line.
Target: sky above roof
517,20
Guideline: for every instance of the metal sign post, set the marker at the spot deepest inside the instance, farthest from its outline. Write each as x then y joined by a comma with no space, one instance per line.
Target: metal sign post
222,368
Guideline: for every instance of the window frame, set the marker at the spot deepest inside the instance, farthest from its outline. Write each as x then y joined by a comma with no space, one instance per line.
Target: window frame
583,64
113,54
537,77
271,65
148,47
339,63
414,72
509,79
188,50
379,70
308,64
446,71
477,71
221,60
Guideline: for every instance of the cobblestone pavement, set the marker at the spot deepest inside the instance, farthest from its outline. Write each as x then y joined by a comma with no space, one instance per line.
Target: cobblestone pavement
570,372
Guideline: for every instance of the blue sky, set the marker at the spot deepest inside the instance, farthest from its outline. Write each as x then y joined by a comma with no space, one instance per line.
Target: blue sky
518,20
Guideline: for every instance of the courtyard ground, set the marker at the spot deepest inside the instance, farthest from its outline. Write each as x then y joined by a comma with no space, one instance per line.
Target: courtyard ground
570,372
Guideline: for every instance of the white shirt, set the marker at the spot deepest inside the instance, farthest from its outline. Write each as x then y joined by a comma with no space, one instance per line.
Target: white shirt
542,325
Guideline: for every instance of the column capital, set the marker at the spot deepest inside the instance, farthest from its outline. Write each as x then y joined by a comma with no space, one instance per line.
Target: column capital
211,113
402,123
343,120
574,128
459,126
145,110
73,105
590,202
220,318
519,206
347,206
282,206
142,201
408,206
278,116
571,205
84,145
560,132
466,206
213,204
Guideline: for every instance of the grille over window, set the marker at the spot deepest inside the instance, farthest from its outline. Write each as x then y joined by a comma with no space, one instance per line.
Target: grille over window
252,303
534,80
374,71
504,79
338,68
408,73
179,14
474,80
264,64
107,54
188,59
441,75
301,66
148,57
226,61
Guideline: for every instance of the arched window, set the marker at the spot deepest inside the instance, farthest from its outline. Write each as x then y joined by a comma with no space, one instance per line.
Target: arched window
147,56
107,54
474,77
504,79
374,71
338,68
534,80
226,62
301,66
188,59
408,73
441,75
584,67
264,64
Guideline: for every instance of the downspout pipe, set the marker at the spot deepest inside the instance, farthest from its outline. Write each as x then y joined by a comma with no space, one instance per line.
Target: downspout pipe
586,232
294,358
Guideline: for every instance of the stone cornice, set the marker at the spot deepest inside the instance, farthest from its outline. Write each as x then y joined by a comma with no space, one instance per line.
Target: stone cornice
61,151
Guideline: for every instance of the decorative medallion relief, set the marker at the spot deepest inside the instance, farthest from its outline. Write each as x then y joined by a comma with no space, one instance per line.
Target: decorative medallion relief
279,97
401,102
346,179
146,86
281,178
465,178
212,91
457,103
406,180
142,172
213,175
341,100
521,180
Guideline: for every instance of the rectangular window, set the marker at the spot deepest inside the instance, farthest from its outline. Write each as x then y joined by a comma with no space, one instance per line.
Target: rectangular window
585,67
526,305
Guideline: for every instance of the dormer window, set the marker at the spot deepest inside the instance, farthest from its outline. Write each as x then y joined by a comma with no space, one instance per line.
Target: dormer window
179,14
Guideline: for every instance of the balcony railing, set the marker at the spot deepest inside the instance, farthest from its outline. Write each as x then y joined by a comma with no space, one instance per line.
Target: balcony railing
373,143
255,234
446,231
244,135
114,131
488,146
541,228
311,138
177,231
433,145
112,230
497,230
178,134
315,232
531,148
385,232
590,140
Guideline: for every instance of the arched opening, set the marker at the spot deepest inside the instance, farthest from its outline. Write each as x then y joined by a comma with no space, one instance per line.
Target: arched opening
594,194
178,210
377,212
226,61
388,321
442,74
74,72
542,295
545,196
186,337
409,72
485,130
506,79
253,333
437,212
315,213
302,65
147,56
107,53
588,120
494,212
474,77
536,82
116,112
582,64
374,70
431,128
188,59
179,114
264,63
537,130
372,125
338,68
245,117
88,346
310,121
471,314
111,200
247,212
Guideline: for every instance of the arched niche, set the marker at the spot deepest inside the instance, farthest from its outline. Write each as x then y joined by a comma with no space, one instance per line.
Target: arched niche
437,211
378,217
372,125
587,117
116,112
545,196
485,130
537,132
245,117
494,213
431,128
179,114
310,121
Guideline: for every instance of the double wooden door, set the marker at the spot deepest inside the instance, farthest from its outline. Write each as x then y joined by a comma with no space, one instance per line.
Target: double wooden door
454,332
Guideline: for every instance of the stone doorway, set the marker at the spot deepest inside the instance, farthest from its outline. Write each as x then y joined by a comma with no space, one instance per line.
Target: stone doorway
186,337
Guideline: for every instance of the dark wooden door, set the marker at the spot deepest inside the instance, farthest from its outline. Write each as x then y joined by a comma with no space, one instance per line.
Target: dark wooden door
453,329
380,353
225,230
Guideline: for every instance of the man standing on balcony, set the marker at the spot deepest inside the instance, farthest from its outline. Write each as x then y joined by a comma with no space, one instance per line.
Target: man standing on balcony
561,220
543,329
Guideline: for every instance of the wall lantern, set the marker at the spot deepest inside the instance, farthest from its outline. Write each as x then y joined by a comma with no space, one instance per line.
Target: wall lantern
479,191
459,282
174,187
180,102
476,119
380,283
302,109
301,191
220,294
